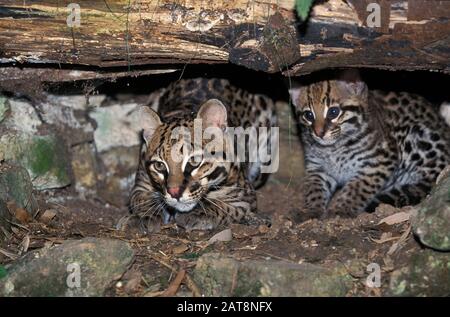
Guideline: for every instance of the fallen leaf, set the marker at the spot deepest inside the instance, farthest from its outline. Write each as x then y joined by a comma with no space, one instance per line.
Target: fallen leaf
134,281
396,218
19,213
47,216
179,249
25,244
223,236
8,254
263,229
400,241
385,237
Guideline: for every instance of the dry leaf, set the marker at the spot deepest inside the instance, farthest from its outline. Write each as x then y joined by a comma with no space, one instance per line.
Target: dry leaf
19,213
8,254
134,281
223,236
385,237
25,244
400,241
47,216
180,249
263,229
398,217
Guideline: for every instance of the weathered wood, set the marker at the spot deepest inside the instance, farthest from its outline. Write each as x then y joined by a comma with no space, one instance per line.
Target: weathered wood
123,35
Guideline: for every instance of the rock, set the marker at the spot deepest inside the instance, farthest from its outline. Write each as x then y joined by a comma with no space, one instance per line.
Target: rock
84,167
431,222
72,123
84,267
44,157
427,274
76,102
117,125
15,185
4,108
5,217
119,167
219,275
23,118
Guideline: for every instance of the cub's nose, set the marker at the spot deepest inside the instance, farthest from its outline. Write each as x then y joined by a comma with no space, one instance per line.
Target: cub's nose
175,192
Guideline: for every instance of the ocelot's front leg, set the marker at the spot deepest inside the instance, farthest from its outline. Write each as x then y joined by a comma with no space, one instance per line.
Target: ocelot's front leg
356,195
214,212
317,189
147,208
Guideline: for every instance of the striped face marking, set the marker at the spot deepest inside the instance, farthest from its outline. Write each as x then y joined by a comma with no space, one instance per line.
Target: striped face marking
181,173
322,107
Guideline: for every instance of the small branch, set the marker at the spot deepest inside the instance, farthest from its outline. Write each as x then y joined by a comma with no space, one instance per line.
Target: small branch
189,282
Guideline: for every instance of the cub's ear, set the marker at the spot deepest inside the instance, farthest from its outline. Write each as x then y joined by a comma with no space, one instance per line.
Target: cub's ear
294,92
149,122
213,114
351,84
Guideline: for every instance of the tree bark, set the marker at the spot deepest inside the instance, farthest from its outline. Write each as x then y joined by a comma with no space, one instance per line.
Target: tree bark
119,36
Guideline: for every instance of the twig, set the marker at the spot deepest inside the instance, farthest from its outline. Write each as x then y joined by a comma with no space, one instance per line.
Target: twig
188,280
173,287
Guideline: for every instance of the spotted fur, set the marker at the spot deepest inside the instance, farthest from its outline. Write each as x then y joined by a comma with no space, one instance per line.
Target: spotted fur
186,189
365,147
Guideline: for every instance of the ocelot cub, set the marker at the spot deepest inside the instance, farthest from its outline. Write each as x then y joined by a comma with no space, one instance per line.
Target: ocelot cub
363,147
199,188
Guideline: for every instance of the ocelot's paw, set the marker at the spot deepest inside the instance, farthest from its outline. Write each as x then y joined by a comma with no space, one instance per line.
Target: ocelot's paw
336,209
151,225
257,220
300,216
192,221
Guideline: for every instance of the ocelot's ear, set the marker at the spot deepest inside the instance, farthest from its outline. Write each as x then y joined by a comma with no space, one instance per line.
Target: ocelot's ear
213,114
294,92
149,122
351,84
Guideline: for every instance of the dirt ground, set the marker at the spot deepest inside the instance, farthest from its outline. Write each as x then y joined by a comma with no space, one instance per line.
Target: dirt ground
353,242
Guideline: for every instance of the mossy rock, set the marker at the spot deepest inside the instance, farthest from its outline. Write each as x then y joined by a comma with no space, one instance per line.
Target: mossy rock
52,272
4,108
16,186
427,274
44,156
5,217
431,223
220,275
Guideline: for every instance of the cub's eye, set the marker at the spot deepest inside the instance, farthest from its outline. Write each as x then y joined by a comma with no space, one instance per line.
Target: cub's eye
159,166
333,113
195,161
308,115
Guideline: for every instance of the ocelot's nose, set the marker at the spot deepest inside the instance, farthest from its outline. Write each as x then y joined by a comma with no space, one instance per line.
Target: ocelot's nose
319,130
175,192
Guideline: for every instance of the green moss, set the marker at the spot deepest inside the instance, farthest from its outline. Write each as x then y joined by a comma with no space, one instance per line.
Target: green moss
3,272
42,159
247,287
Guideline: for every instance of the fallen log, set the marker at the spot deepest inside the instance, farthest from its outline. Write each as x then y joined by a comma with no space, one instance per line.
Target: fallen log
115,36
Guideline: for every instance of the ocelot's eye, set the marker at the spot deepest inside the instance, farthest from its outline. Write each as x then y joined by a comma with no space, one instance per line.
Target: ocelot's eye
195,161
308,115
159,166
333,113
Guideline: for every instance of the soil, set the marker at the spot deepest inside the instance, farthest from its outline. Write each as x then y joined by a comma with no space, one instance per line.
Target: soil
354,242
